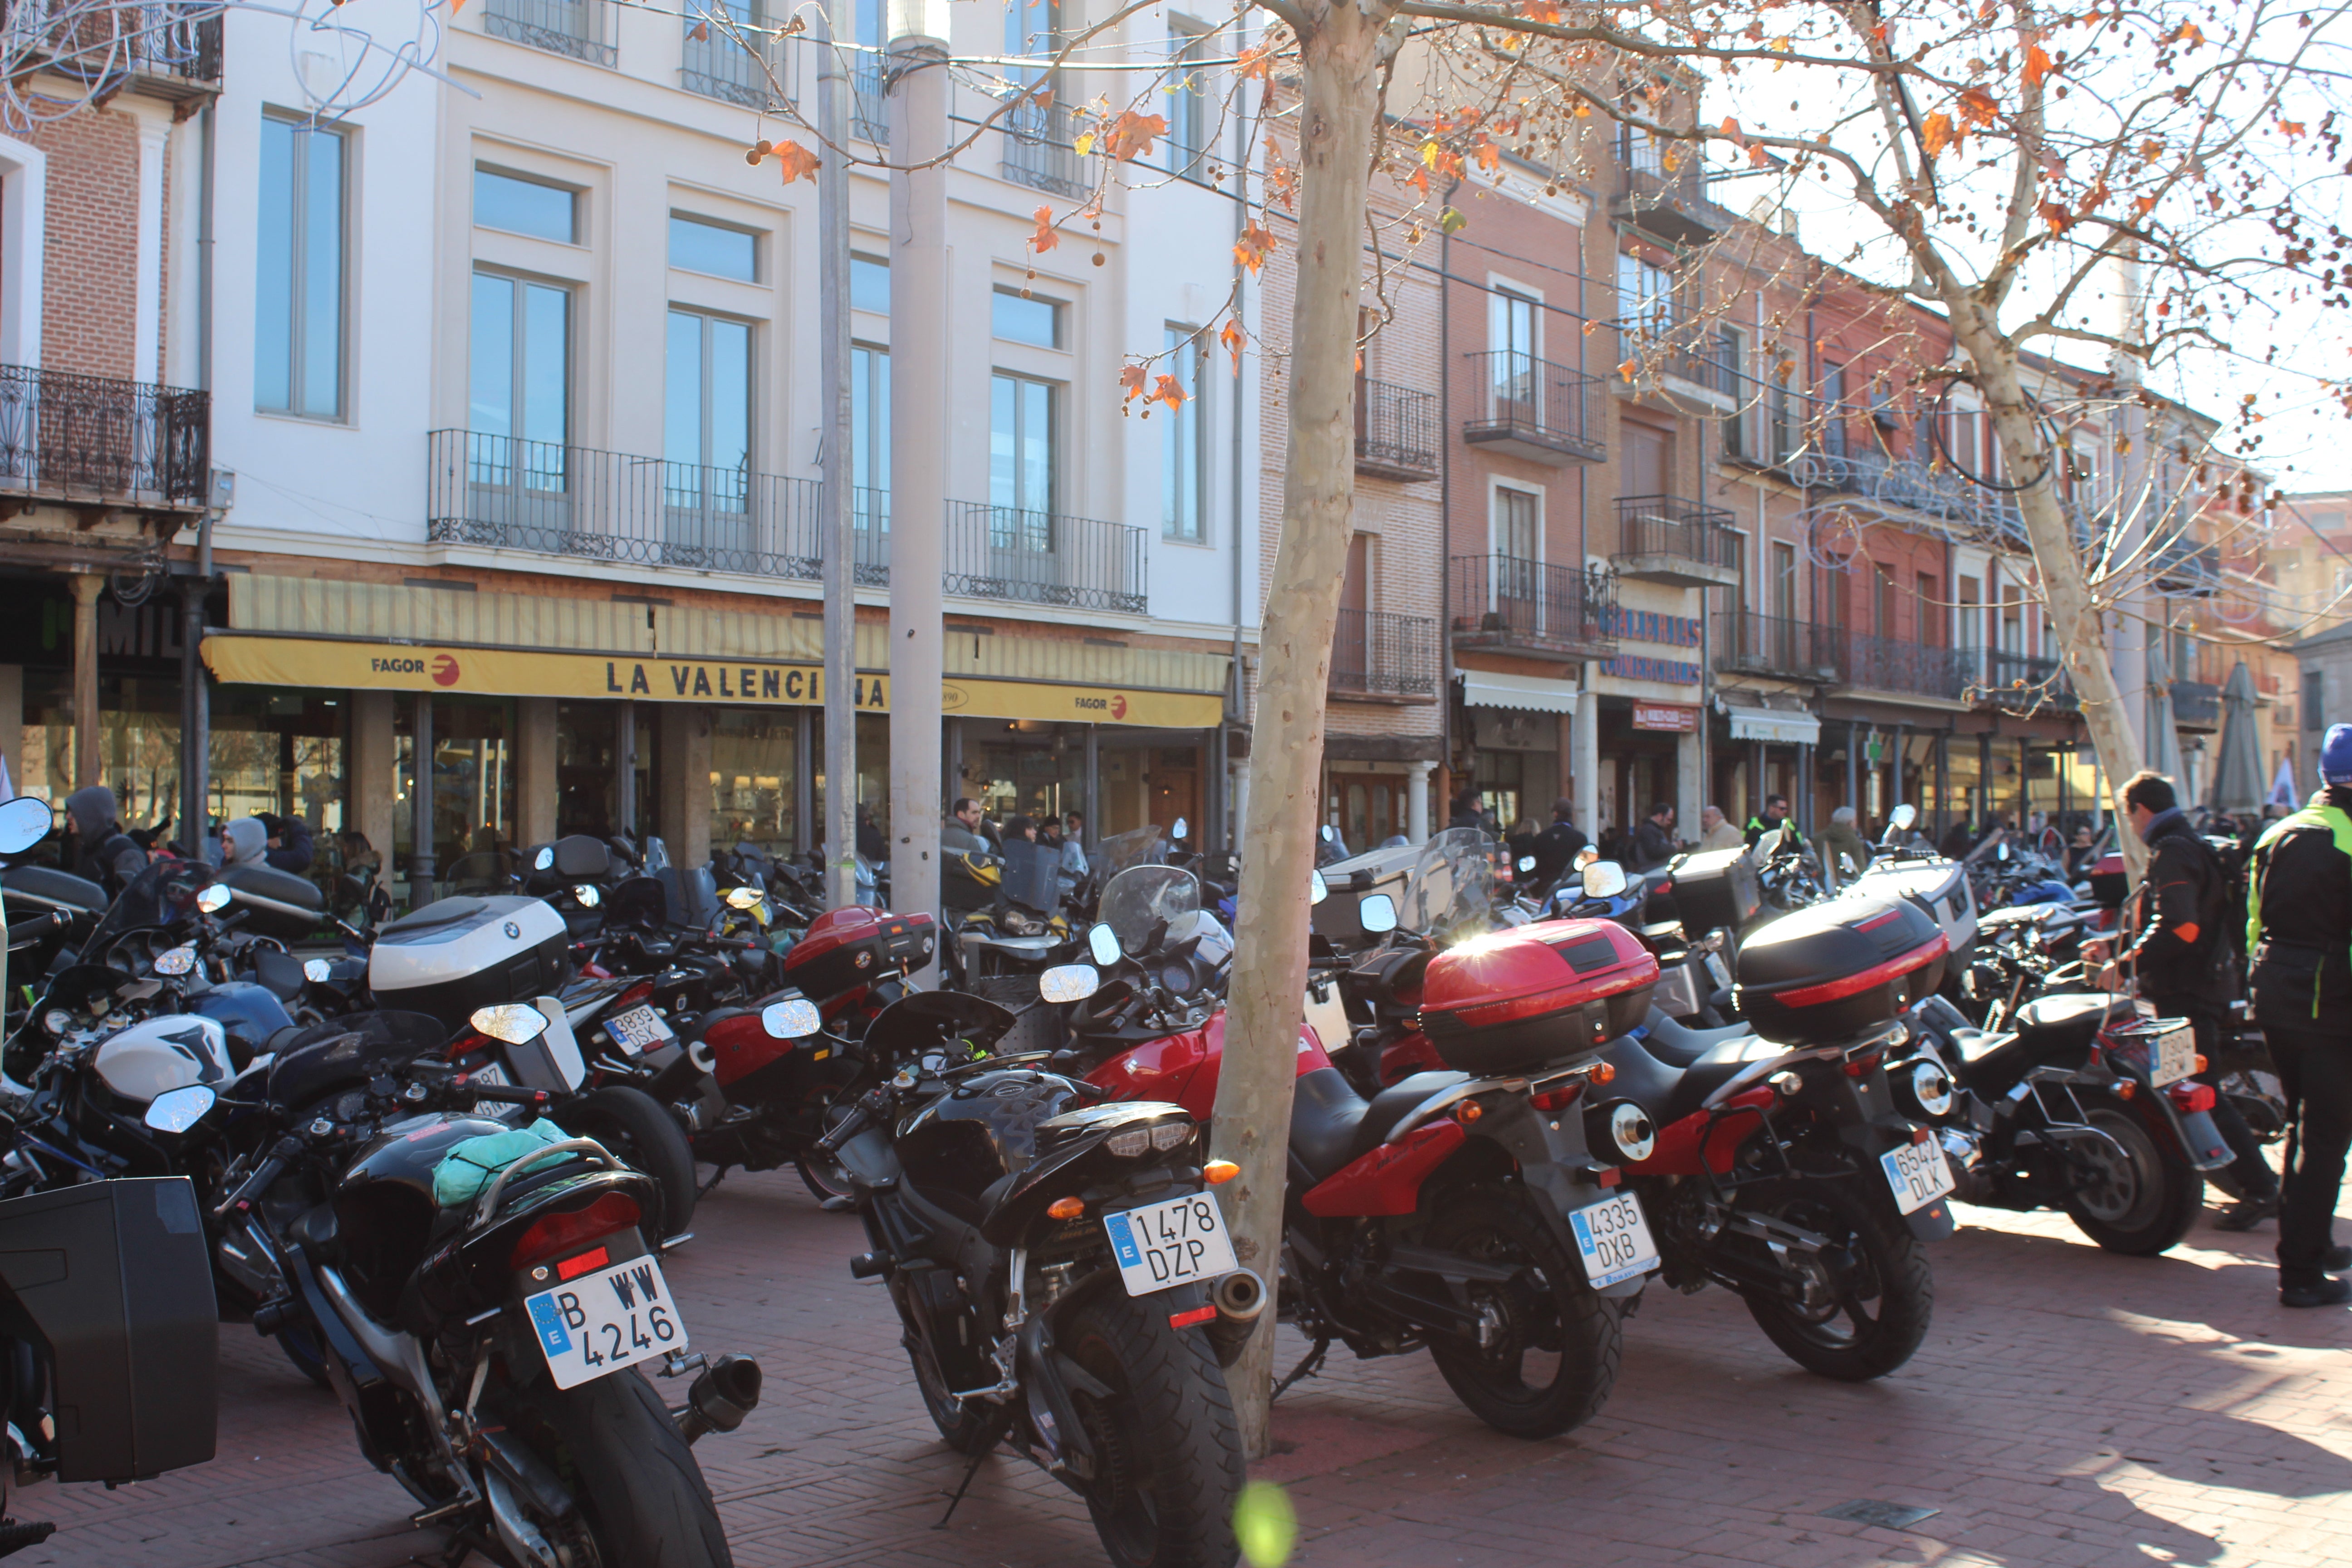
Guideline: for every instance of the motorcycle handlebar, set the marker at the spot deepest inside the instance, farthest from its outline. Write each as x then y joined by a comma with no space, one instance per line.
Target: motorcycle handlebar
850,1127
273,1164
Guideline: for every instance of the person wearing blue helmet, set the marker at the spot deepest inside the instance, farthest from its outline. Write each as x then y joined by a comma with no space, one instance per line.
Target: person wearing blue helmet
2299,938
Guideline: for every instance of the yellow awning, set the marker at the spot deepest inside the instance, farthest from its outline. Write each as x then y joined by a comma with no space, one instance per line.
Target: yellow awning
363,666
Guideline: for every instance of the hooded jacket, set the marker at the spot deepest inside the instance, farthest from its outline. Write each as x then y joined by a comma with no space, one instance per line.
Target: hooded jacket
2179,955
107,855
2299,917
245,841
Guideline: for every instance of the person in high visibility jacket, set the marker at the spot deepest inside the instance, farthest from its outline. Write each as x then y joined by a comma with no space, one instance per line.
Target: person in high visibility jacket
2299,940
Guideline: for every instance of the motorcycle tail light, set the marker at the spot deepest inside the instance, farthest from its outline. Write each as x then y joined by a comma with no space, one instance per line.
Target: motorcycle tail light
1861,1065
1558,1099
572,1268
556,1233
1167,1134
1130,1144
2191,1097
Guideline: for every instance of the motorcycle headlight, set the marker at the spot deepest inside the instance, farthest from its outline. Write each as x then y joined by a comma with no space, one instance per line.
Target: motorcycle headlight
1932,1088
1633,1131
176,959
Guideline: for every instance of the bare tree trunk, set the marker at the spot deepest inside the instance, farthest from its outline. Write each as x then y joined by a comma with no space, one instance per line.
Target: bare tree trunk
2066,584
1302,606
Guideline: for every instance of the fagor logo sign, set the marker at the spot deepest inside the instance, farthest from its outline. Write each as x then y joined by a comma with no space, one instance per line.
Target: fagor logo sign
1115,705
445,669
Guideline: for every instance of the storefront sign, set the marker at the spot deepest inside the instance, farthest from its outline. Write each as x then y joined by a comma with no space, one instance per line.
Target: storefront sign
1638,666
1654,626
1666,716
397,667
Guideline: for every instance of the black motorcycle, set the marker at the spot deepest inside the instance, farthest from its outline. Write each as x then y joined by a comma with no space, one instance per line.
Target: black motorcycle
485,1297
1050,1261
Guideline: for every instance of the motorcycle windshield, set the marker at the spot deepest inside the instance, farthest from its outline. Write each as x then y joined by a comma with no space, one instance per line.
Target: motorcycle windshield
1140,846
1451,893
162,895
1140,897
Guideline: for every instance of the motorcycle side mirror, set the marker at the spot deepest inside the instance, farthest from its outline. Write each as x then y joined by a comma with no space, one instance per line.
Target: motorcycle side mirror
796,1019
1846,864
588,896
516,1022
1527,864
176,959
1103,944
1330,833
545,860
318,971
1903,816
1318,890
2000,850
1181,828
1376,912
178,1109
744,898
24,822
1068,983
215,899
1586,856
1603,880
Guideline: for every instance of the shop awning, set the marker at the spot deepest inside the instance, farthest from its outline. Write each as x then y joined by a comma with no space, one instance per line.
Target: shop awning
1532,693
363,664
1774,724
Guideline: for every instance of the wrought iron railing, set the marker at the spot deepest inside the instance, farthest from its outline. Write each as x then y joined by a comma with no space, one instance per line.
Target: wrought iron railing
91,437
1384,655
869,114
1893,664
2018,681
1908,483
1044,558
1670,525
575,502
1520,397
718,65
182,41
1668,174
1396,431
1511,602
583,29
1040,150
1750,644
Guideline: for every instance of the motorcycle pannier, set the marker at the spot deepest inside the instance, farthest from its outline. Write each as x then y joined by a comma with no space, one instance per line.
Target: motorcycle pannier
1716,889
1541,993
457,954
1823,974
275,904
854,946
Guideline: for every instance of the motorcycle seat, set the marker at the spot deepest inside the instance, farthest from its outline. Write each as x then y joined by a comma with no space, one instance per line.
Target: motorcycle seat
1331,1124
2049,1028
1678,1045
1671,1090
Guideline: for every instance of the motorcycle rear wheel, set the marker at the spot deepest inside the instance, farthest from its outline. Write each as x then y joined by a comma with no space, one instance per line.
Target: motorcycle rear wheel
639,1129
1169,1459
1884,1300
641,1500
2145,1204
1550,1313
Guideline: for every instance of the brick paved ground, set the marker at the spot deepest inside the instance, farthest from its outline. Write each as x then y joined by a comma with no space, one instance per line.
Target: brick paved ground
2068,1408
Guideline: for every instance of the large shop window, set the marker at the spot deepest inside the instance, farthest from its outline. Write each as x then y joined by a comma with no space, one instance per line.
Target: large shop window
299,313
1028,768
473,790
753,765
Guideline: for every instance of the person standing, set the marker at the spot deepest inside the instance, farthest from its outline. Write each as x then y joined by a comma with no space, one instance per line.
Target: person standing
2299,935
1842,837
1654,840
1715,830
1557,845
1776,815
961,833
2183,961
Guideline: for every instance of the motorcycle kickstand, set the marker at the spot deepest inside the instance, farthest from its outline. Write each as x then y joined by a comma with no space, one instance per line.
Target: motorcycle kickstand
1307,1368
999,1423
711,1187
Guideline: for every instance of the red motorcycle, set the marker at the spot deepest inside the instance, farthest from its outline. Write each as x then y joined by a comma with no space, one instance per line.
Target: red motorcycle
1458,1210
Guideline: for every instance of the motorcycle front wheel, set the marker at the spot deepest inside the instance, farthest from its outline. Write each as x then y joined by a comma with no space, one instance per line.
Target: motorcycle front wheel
640,1500
635,1126
1169,1464
2143,1202
1866,1303
1548,1346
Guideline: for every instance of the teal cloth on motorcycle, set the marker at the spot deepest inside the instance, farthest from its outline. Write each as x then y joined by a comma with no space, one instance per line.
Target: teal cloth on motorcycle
467,1167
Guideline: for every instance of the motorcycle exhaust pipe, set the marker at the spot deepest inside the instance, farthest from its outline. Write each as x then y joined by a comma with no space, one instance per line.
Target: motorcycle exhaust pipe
728,1391
1240,1299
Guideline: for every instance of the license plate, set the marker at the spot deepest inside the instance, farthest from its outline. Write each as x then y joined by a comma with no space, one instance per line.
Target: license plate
1614,1240
638,1030
1168,1243
2172,1056
1720,970
1918,1172
605,1321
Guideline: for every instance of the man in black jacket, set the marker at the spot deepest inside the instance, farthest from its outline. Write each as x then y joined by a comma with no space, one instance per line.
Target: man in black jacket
2299,932
99,851
1556,846
2183,961
1654,840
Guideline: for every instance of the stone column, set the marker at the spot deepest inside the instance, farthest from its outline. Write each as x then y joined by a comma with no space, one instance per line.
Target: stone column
86,587
535,789
1416,802
372,770
1690,792
686,783
1587,762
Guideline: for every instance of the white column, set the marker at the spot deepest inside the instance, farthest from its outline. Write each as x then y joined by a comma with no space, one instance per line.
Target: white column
1586,763
147,332
1690,789
1416,802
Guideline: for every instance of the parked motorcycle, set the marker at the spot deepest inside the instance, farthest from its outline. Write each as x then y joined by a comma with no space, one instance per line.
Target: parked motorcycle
1050,1259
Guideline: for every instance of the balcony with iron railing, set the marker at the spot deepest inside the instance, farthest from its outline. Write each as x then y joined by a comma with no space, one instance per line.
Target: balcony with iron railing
1871,663
716,65
1044,558
1745,643
1041,151
1908,485
2016,682
93,440
1669,540
583,29
869,113
1533,409
1383,657
1508,604
1396,431
1666,188
1663,359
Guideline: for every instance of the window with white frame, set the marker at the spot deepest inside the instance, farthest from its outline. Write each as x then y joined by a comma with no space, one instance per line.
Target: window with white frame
1184,513
299,305
707,411
1646,296
1187,97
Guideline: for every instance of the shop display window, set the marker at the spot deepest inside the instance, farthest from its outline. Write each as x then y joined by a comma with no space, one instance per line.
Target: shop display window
473,790
752,763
